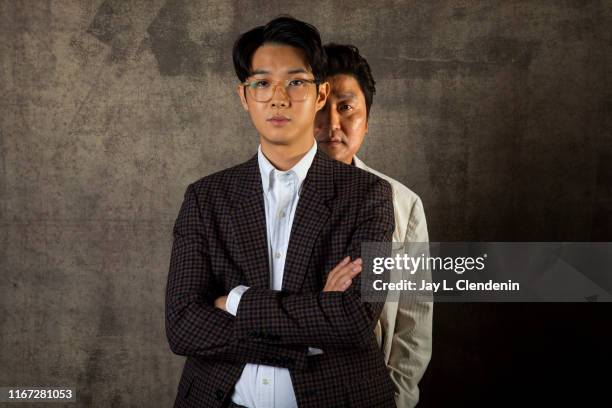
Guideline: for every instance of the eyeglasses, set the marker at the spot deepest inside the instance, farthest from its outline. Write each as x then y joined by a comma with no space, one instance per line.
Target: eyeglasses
263,90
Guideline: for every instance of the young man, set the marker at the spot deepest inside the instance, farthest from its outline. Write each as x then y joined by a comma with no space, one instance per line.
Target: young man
404,330
249,299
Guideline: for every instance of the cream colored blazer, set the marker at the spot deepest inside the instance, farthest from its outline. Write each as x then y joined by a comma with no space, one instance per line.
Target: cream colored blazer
404,328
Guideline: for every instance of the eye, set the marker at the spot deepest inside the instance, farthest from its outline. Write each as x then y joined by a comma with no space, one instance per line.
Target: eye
296,82
260,84
344,107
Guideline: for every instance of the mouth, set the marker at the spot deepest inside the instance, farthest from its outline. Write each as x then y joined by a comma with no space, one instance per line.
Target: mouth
279,120
332,142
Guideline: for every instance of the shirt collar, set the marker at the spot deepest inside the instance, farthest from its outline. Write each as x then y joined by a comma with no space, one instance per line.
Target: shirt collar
266,169
358,163
300,169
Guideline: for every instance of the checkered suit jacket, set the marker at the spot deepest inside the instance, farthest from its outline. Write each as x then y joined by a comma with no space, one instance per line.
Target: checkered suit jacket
220,242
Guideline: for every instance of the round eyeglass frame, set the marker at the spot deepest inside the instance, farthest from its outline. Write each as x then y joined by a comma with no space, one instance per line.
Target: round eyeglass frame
249,85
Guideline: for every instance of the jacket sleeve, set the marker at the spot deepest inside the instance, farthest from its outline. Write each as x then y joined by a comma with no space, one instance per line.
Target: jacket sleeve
194,326
410,351
325,319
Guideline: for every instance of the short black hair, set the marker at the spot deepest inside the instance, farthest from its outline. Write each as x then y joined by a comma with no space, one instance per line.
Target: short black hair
282,30
345,59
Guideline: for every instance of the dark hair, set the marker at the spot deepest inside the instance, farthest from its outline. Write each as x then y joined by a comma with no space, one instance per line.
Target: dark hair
345,59
282,30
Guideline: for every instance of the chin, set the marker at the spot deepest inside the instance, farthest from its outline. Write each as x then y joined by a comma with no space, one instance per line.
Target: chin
331,153
278,139
334,151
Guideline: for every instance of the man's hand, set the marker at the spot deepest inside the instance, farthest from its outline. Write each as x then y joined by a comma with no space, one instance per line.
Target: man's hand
220,302
340,278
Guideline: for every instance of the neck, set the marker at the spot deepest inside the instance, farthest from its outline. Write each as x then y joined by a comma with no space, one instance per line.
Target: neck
284,157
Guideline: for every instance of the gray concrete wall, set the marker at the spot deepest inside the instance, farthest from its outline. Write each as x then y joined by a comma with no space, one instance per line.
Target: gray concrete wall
499,114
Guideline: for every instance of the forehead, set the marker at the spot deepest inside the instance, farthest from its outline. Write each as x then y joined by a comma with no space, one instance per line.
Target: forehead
279,59
344,86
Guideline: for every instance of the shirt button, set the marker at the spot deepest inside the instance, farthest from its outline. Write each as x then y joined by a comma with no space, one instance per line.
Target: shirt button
277,255
282,214
265,381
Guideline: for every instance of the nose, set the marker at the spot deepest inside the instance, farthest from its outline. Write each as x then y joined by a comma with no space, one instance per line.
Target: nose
280,98
334,119
327,124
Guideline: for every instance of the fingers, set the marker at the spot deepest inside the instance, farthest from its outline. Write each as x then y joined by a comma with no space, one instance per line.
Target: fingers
341,277
340,265
340,273
333,273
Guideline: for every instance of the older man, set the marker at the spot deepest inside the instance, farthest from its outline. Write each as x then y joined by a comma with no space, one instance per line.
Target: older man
404,329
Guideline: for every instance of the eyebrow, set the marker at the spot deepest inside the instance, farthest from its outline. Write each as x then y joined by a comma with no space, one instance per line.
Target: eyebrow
297,71
291,71
346,95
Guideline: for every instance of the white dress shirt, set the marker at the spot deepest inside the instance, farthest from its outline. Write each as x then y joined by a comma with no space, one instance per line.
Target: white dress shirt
263,386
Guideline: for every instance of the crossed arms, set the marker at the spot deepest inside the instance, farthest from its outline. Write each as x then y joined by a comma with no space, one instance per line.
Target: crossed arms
271,327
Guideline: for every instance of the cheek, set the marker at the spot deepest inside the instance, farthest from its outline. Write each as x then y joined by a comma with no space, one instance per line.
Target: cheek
257,113
307,108
354,128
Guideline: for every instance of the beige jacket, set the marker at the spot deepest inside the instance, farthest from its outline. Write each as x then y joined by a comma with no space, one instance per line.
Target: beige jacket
404,328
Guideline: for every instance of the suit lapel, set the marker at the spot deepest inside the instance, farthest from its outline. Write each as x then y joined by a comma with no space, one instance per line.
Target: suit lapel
311,214
248,220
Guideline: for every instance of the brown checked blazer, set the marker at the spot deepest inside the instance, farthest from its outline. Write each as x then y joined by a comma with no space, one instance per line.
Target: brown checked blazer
220,243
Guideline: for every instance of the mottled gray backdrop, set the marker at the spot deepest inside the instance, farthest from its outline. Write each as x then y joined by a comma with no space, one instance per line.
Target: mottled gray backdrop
497,113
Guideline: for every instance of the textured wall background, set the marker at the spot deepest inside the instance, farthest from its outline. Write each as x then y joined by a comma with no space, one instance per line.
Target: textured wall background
498,113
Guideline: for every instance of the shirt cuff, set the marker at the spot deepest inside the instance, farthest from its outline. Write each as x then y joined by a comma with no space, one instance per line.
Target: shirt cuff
314,351
233,299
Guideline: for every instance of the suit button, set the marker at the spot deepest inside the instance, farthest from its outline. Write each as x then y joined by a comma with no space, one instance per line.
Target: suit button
219,394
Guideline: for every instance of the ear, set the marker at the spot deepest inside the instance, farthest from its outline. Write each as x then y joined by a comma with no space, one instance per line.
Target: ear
366,127
324,89
241,94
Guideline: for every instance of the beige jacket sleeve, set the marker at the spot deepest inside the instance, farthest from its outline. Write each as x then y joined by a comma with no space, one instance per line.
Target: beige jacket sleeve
410,350
404,327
